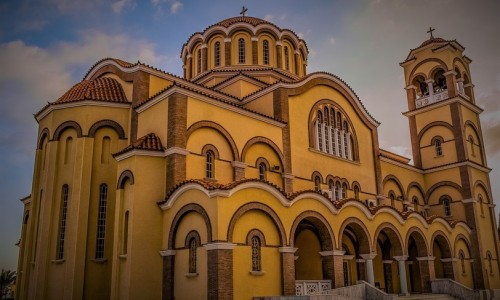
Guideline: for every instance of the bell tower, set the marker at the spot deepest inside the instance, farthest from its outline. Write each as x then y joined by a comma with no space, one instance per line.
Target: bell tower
447,142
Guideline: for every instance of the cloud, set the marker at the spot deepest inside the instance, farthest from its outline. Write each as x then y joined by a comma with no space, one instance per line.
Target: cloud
175,7
331,41
268,18
33,25
120,5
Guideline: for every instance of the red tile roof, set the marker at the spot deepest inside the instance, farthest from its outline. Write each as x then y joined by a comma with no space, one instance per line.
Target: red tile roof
100,89
150,142
244,19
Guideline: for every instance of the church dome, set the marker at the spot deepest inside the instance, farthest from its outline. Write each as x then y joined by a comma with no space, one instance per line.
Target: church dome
99,89
244,42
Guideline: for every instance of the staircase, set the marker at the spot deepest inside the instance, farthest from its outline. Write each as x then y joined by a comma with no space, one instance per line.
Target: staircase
428,297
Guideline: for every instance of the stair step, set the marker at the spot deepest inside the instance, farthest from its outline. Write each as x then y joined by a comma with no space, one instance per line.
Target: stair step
428,297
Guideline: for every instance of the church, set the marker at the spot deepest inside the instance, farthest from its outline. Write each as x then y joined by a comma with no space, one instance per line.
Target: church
249,176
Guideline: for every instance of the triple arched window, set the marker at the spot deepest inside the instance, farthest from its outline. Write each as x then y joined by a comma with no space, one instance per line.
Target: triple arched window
333,134
339,190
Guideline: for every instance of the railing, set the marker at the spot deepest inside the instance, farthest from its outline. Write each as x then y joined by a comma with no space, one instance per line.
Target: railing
310,287
427,100
361,290
454,289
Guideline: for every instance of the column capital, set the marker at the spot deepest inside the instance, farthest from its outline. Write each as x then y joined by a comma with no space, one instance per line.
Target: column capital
388,261
326,253
167,252
368,256
423,258
451,72
287,175
287,249
411,87
450,259
238,164
219,246
401,257
429,81
348,257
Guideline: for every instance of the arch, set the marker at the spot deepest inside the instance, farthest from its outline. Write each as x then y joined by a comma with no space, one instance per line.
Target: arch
258,233
192,207
192,234
122,179
44,135
443,242
416,185
430,125
361,232
68,124
394,237
440,184
419,237
440,62
210,147
209,124
317,174
319,222
260,207
461,237
393,178
480,184
107,123
263,140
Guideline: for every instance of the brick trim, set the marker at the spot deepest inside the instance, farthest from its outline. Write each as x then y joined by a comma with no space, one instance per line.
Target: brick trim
266,141
394,237
398,183
122,179
440,184
192,207
327,239
420,240
65,125
107,123
44,135
443,243
217,127
360,231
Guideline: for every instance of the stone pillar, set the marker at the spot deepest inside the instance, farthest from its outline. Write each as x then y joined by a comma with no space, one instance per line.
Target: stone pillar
430,88
402,273
389,287
287,270
238,170
328,266
370,276
176,140
287,182
449,267
460,86
451,84
255,50
279,62
167,292
189,66
204,57
427,273
227,51
338,268
220,270
411,96
296,63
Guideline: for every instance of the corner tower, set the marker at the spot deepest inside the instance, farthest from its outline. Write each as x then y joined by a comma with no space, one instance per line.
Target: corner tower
447,142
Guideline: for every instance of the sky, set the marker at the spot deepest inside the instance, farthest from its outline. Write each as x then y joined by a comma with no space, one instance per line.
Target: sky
48,46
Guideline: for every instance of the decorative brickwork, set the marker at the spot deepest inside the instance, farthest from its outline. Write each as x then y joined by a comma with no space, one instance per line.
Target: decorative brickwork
220,274
255,53
388,278
168,278
65,125
227,53
239,173
288,273
338,269
107,123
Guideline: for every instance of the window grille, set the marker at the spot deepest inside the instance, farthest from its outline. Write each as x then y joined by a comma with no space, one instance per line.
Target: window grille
192,255
241,51
256,257
265,50
101,221
217,54
62,222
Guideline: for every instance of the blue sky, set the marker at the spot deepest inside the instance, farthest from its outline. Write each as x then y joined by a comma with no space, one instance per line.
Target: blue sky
47,46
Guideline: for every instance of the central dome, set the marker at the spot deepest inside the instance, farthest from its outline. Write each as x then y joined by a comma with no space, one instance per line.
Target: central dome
244,42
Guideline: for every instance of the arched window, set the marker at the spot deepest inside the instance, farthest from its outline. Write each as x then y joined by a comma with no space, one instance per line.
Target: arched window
317,183
339,120
338,189
461,257
356,192
217,54
209,165
105,150
192,255
256,258
437,142
344,190
327,132
101,221
332,116
287,59
471,141
198,61
26,217
62,222
262,171
331,186
415,203
319,127
439,81
392,196
446,206
241,51
125,233
265,52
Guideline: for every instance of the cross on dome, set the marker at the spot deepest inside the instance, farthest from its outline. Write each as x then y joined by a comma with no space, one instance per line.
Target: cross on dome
243,11
430,31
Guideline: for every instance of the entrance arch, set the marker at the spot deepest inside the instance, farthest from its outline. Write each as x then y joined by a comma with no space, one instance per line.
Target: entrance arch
418,263
389,248
443,262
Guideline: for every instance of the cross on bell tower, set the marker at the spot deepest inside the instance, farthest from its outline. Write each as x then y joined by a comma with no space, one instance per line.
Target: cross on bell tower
243,11
430,31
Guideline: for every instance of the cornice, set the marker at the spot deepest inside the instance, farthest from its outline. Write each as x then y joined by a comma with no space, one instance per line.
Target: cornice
456,99
56,106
